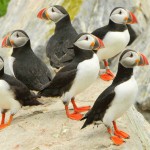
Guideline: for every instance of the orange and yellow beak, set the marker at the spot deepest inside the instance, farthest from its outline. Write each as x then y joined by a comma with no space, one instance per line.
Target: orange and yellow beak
98,44
131,19
6,42
43,14
143,60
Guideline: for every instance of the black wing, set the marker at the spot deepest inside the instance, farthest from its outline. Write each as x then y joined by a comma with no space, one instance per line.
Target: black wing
22,93
101,32
33,73
61,82
132,33
100,106
57,47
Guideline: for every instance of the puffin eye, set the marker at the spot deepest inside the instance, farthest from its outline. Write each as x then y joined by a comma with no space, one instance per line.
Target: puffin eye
53,10
17,35
86,38
131,55
120,12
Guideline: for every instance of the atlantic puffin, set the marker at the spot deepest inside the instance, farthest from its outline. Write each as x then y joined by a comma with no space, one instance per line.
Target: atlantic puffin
57,47
115,36
23,63
114,101
76,76
13,95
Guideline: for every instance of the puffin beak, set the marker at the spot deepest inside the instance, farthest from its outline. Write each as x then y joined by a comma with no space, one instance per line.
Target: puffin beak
6,42
143,60
98,44
43,14
131,19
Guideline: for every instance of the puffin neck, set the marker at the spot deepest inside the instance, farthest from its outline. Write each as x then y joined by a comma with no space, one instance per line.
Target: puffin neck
63,23
19,50
2,72
123,74
116,27
83,53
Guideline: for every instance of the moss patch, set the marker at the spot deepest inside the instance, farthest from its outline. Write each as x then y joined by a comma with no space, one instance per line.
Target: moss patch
3,7
72,6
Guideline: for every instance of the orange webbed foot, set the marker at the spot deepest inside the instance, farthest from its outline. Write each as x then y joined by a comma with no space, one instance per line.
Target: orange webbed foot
82,109
3,126
121,134
116,140
107,76
75,116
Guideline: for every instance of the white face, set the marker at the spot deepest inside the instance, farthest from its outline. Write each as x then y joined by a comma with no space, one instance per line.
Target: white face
54,14
86,42
18,39
130,59
119,16
1,64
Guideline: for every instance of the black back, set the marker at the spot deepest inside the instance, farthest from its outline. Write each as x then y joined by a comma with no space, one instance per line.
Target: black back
63,80
57,47
29,69
106,97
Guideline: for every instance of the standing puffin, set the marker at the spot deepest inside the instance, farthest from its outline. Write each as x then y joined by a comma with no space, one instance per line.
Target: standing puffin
76,76
115,36
24,64
57,47
13,95
118,97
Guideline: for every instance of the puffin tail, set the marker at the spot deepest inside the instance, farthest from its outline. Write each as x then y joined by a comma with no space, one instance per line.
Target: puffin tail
32,100
88,121
49,91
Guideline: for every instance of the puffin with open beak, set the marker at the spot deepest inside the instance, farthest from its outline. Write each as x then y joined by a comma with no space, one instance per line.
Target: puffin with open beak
23,63
57,47
115,36
76,76
114,101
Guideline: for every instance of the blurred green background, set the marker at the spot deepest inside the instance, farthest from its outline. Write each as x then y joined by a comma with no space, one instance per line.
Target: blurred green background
3,7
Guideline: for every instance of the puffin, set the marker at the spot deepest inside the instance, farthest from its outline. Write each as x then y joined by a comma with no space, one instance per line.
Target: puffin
115,36
64,35
76,76
13,95
23,63
115,100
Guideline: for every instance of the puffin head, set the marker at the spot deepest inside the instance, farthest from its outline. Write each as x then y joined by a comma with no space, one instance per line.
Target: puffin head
130,58
87,41
1,63
54,13
121,15
15,39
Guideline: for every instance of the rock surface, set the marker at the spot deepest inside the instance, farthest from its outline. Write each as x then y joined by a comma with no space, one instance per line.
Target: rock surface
46,127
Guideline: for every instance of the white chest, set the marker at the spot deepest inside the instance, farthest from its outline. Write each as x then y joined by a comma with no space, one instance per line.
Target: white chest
10,62
125,97
115,42
7,100
87,73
